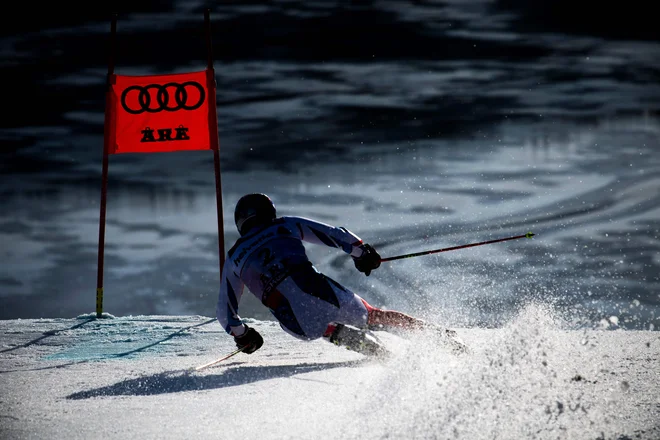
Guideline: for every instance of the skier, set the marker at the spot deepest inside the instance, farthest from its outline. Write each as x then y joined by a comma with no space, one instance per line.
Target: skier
269,258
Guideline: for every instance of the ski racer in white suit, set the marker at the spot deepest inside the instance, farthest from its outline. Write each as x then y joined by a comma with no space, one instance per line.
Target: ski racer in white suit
269,258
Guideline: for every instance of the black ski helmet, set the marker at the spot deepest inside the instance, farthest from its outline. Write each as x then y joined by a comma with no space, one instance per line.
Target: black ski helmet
252,210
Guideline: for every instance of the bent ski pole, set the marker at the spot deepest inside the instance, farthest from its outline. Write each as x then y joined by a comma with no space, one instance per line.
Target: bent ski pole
233,353
435,251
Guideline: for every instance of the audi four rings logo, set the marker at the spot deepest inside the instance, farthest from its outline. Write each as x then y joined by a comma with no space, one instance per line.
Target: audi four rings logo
163,94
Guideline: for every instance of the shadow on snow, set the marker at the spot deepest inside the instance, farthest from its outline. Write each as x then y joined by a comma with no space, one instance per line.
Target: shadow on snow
183,380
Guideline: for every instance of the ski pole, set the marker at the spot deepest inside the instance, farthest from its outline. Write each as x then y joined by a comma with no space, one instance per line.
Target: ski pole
233,353
435,251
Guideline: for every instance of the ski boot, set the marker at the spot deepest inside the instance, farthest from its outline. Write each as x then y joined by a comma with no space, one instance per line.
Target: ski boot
360,341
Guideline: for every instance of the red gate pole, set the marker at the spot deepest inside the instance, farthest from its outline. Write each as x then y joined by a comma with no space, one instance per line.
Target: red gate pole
215,143
104,178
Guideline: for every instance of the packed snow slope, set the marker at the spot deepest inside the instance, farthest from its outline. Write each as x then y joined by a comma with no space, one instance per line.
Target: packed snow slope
129,377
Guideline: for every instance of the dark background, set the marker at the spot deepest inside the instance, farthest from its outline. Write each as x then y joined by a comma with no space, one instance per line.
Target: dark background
304,84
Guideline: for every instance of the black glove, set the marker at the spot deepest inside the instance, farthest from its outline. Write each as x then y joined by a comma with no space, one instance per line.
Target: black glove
368,261
251,340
